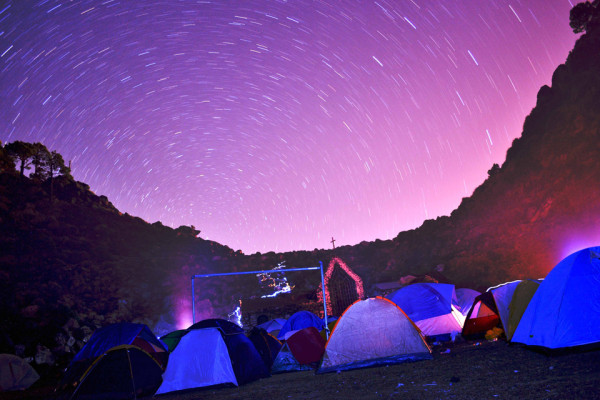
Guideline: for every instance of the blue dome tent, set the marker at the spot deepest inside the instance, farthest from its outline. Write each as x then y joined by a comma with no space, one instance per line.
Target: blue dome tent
246,360
432,307
563,312
300,320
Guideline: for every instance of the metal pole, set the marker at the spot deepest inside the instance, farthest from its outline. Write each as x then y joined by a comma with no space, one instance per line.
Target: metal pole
324,303
266,271
193,303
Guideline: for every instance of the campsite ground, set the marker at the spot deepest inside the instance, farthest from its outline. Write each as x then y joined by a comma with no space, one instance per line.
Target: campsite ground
468,371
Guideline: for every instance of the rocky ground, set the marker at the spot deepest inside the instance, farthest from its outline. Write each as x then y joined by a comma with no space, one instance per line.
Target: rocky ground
467,370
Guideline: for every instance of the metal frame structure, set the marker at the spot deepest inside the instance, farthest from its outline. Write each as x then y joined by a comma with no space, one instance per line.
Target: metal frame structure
268,271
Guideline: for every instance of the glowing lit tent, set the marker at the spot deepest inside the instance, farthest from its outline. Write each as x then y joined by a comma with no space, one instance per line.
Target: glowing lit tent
200,359
432,307
373,332
520,300
300,320
16,373
465,298
247,362
564,311
490,309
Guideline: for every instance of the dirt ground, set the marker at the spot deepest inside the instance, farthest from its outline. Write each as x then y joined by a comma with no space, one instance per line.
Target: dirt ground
467,370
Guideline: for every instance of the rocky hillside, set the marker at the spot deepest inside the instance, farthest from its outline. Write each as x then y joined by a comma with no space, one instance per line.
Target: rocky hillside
545,198
541,204
76,257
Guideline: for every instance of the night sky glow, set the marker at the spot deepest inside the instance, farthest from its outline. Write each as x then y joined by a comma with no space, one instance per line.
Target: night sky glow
275,125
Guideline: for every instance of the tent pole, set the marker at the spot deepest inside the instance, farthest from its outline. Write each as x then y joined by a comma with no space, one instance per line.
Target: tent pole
266,271
193,303
324,303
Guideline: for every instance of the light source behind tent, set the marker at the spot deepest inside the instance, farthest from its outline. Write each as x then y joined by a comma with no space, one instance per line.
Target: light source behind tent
489,310
465,298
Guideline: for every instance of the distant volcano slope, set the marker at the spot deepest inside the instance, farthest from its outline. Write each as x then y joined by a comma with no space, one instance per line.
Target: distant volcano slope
540,205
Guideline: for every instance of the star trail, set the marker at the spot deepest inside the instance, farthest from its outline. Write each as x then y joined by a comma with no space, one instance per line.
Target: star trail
275,125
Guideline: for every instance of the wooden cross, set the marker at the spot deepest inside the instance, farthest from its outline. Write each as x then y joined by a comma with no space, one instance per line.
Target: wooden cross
333,242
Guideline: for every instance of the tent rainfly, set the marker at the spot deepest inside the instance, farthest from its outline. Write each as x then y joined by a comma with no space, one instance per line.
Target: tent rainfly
200,359
373,332
432,307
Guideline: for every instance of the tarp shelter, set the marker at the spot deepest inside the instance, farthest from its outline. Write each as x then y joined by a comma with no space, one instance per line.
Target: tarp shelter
122,372
266,345
564,311
373,332
247,362
16,373
200,359
465,298
490,309
300,320
520,300
432,307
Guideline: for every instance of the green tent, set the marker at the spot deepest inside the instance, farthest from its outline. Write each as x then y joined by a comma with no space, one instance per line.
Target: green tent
518,304
172,339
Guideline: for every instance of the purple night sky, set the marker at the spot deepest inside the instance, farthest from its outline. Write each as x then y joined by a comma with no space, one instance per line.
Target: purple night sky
275,125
